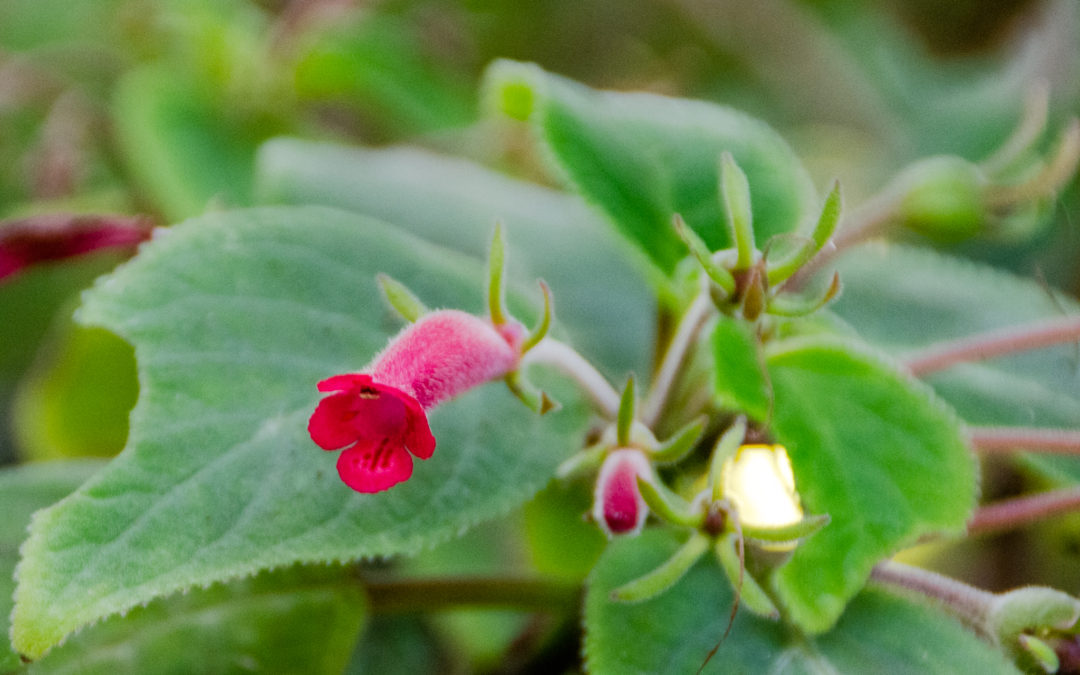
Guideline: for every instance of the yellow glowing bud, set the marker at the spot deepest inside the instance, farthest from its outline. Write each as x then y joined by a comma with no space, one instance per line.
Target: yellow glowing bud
760,484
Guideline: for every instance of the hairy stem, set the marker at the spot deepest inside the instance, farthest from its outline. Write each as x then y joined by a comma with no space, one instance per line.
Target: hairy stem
562,356
1034,439
971,605
1011,513
411,595
993,344
675,357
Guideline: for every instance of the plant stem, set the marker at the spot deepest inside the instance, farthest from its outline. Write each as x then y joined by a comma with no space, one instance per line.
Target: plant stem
412,595
562,356
675,357
1012,439
994,343
972,605
1012,513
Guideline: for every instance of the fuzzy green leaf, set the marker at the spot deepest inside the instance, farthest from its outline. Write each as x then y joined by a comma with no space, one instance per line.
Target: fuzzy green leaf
674,632
876,451
903,298
234,318
738,378
642,158
24,490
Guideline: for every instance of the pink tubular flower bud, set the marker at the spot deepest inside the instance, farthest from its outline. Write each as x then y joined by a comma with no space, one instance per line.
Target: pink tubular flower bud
51,238
378,415
618,506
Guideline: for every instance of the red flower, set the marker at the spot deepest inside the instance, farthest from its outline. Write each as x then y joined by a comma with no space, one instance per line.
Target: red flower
378,415
380,425
619,507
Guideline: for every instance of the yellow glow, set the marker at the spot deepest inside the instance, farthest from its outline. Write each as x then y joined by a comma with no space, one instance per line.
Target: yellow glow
760,484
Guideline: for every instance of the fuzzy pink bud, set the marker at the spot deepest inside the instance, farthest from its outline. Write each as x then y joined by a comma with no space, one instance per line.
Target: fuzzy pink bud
378,415
618,506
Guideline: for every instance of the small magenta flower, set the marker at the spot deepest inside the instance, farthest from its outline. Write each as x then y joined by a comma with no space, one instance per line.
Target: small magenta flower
379,414
618,507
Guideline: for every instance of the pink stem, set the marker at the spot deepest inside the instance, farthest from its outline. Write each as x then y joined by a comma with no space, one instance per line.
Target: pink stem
995,343
1012,513
1011,439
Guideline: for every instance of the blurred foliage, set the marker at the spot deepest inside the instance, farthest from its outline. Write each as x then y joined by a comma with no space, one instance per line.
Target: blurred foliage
174,108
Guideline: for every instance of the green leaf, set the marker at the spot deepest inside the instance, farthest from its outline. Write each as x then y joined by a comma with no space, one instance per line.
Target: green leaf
292,620
183,151
600,296
903,298
76,401
23,490
873,449
234,318
562,543
674,632
739,380
642,158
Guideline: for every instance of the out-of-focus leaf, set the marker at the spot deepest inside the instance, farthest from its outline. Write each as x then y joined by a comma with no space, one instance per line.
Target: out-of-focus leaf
76,402
601,298
182,150
376,64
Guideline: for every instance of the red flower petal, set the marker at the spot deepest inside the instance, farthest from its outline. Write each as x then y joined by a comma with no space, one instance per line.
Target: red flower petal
373,468
329,425
419,438
345,382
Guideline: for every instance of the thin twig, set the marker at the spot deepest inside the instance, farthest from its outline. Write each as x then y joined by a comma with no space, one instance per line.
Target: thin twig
675,356
993,344
1032,439
562,356
1012,513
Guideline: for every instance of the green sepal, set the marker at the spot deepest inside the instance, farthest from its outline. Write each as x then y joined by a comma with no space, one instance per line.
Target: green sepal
400,298
787,533
496,271
625,420
796,306
666,575
823,232
544,325
534,399
680,444
726,448
1029,608
1043,654
669,506
751,595
719,275
735,192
